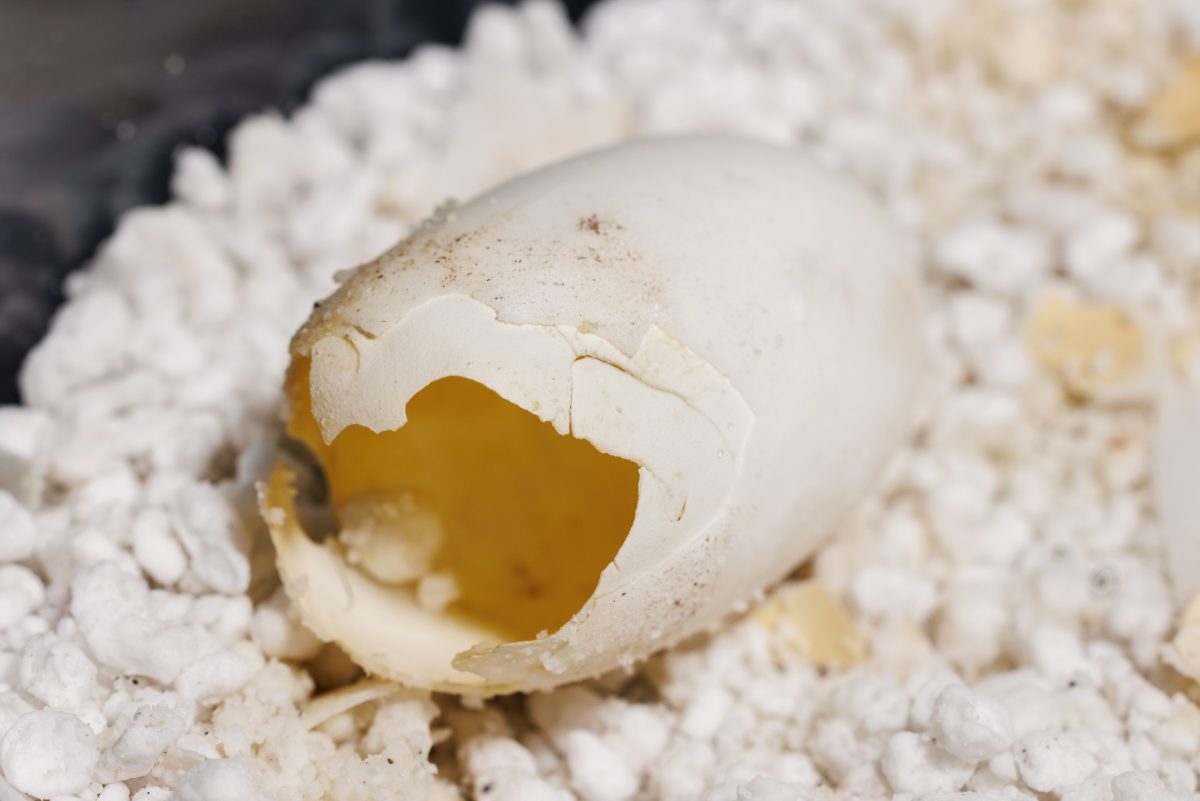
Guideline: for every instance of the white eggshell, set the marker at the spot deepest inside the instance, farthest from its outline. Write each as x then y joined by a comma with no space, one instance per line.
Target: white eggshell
741,324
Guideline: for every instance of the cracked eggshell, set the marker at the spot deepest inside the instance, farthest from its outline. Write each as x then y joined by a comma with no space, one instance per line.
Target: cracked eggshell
741,325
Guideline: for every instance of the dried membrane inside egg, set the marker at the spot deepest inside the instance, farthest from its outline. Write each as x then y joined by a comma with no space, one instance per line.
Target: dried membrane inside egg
392,535
586,414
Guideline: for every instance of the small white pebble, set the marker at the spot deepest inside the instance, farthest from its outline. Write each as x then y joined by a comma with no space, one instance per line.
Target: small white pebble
704,713
1098,245
765,788
112,608
21,591
1143,785
494,36
972,625
874,703
199,179
684,772
25,629
18,532
1052,762
226,617
911,763
152,793
521,788
1177,240
279,634
488,754
57,672
1054,650
12,708
597,772
115,490
1031,704
502,769
114,792
189,448
572,707
213,538
217,780
638,732
213,677
152,730
993,257
25,434
795,769
837,750
971,726
1004,767
49,753
888,592
401,720
1178,775
157,551
924,690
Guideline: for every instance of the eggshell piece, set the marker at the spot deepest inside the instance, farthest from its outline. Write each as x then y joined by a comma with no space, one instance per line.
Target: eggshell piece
1093,347
1172,118
343,699
815,621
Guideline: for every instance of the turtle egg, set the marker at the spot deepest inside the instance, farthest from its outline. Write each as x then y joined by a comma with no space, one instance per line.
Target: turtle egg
590,412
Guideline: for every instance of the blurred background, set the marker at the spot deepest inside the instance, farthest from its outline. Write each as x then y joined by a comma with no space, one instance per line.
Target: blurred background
97,95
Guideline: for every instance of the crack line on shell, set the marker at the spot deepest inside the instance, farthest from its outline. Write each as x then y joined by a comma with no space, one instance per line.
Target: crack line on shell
557,329
644,381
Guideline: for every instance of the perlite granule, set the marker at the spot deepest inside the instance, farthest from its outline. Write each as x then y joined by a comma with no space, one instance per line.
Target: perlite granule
1004,591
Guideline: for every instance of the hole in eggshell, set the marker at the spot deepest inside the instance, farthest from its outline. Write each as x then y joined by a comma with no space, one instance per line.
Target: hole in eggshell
509,521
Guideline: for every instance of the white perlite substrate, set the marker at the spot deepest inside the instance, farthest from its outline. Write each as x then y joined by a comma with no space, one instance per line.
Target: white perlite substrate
1007,578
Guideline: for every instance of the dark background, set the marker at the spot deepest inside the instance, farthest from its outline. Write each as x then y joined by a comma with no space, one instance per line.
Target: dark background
96,95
